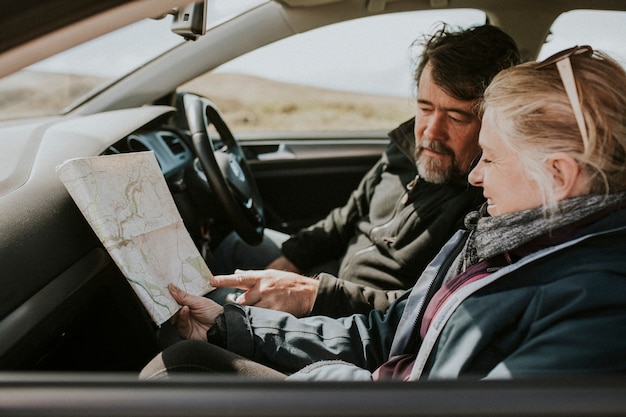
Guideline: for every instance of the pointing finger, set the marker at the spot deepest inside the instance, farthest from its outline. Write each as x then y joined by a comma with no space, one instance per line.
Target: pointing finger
241,281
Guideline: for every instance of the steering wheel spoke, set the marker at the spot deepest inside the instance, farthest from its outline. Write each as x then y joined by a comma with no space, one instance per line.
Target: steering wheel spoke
226,169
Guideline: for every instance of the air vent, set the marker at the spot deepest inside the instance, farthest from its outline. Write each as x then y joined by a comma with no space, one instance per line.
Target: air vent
174,143
135,144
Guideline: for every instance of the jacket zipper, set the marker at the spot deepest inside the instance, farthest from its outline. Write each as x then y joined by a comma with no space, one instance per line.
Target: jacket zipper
400,203
430,292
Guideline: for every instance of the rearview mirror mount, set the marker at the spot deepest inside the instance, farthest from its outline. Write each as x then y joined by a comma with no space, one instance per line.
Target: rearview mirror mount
190,21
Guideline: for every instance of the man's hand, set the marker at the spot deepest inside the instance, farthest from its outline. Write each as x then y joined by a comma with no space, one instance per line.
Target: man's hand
283,264
196,316
276,290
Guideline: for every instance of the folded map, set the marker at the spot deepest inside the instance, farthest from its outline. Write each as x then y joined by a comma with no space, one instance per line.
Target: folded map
127,203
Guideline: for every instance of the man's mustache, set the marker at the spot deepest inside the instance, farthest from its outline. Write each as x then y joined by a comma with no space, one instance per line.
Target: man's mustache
434,146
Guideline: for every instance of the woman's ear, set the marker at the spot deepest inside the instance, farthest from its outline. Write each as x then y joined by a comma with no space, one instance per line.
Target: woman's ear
568,180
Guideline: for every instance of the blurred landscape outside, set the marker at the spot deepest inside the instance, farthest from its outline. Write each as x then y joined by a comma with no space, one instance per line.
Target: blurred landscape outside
248,103
255,104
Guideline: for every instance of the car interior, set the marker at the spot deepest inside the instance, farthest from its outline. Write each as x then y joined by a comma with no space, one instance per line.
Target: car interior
73,334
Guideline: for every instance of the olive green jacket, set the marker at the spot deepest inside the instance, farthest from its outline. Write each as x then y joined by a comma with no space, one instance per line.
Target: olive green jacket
389,230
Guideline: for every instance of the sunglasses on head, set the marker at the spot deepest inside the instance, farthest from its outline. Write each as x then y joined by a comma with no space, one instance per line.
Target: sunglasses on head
564,66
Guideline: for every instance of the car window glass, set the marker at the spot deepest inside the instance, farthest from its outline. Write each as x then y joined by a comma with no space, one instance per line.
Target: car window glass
602,29
56,84
354,75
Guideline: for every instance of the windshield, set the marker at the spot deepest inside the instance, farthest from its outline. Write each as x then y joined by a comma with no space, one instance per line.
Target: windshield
51,86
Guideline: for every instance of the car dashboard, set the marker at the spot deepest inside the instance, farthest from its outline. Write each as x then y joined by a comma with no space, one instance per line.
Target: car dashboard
64,302
170,150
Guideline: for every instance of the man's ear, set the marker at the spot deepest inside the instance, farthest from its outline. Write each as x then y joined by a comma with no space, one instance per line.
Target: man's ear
568,180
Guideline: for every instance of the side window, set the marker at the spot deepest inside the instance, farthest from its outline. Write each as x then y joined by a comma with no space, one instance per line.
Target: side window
350,76
604,30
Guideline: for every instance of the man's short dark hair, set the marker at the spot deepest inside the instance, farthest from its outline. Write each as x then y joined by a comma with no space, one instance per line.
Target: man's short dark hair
464,62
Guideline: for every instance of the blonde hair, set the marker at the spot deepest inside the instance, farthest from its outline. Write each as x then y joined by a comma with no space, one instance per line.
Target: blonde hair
529,106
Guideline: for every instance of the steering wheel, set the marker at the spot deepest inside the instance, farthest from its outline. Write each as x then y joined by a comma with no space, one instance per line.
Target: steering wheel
226,169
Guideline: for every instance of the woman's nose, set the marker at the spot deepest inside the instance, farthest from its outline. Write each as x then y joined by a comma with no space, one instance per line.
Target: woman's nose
475,176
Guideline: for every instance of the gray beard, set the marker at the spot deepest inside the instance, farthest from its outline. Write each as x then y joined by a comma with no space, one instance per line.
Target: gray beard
431,170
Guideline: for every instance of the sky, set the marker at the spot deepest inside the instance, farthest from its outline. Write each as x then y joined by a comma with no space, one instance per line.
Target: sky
369,55
388,54
334,56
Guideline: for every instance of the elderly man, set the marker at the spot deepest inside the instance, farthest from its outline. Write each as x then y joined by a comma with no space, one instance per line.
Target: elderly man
406,207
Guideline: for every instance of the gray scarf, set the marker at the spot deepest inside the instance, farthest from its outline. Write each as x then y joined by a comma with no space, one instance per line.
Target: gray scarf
490,236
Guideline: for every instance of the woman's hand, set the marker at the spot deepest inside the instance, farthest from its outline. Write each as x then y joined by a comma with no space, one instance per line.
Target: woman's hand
196,316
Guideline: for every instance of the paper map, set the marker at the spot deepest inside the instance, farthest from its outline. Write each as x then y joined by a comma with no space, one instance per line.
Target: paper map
127,203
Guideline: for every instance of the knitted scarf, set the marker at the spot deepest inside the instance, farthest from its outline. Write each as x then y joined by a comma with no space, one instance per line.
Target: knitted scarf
490,236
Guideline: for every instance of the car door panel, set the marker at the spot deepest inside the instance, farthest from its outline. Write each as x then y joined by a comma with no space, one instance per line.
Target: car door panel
302,180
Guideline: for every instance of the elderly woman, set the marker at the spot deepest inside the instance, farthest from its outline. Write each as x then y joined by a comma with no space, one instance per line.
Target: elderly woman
535,286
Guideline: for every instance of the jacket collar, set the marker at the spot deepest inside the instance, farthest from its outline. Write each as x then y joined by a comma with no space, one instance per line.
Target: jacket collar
404,138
